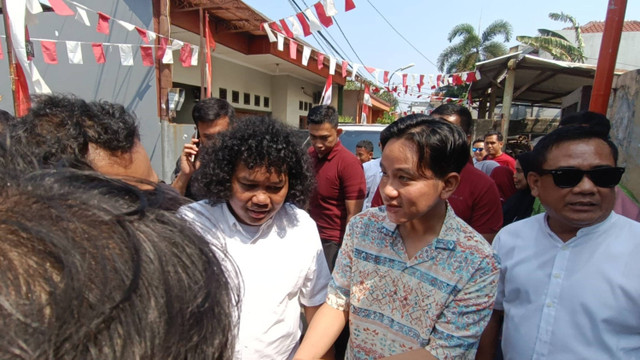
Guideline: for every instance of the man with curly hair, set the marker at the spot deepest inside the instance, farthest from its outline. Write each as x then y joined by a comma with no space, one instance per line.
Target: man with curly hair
255,182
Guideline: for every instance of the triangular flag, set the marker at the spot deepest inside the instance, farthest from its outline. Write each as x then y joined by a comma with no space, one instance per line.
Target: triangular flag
267,29
162,48
126,55
146,53
81,15
345,66
60,8
306,53
74,52
39,86
103,23
313,20
280,41
322,15
194,55
303,22
295,27
98,52
320,60
126,25
293,49
332,65
49,52
143,34
286,29
349,5
330,8
326,92
185,55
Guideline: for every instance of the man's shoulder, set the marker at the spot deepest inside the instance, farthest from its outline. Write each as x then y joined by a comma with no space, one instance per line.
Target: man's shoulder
472,177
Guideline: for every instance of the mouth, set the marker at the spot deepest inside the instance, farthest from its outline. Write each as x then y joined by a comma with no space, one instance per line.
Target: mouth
582,205
257,214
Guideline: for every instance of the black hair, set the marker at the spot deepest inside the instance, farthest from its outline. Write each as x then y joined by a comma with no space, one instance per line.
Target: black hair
321,114
496,133
365,144
565,134
212,109
455,109
90,269
594,120
477,141
111,127
442,147
255,141
526,160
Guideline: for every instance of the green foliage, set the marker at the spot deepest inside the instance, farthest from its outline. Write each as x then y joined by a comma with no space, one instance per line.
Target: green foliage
473,48
558,46
345,119
387,117
384,95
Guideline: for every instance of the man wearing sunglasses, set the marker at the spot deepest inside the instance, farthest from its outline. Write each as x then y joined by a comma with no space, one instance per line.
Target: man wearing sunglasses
569,285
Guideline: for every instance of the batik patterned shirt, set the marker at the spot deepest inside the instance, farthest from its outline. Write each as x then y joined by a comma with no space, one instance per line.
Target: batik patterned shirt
440,300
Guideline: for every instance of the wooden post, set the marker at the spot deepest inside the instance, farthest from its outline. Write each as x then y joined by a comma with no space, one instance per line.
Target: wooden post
507,97
163,71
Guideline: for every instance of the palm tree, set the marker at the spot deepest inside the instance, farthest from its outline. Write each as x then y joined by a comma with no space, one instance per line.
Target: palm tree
472,48
558,46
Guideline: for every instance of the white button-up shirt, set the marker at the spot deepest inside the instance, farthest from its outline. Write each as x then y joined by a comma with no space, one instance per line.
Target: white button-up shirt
282,266
573,300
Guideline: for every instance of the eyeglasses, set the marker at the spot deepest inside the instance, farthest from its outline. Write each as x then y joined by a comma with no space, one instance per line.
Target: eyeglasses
606,177
477,149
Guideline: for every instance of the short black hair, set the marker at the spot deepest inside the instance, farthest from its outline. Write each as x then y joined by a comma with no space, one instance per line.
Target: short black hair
365,144
212,109
255,141
496,133
321,114
526,160
592,119
111,127
565,134
455,109
477,141
442,146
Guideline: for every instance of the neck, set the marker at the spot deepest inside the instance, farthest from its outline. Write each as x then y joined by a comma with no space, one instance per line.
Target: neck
418,233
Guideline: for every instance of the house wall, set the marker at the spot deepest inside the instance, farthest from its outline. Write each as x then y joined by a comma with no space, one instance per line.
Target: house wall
350,105
628,55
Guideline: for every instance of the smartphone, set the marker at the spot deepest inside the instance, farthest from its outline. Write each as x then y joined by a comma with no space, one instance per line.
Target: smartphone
193,157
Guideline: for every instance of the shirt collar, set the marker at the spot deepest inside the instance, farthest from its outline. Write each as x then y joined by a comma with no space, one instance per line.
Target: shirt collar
235,227
582,232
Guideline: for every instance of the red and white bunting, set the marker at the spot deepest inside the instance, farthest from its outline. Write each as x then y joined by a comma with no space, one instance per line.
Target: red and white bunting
49,54
366,104
103,23
326,92
98,53
74,52
306,53
126,54
146,53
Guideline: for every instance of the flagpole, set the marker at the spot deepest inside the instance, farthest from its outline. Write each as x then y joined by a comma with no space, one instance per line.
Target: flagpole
10,57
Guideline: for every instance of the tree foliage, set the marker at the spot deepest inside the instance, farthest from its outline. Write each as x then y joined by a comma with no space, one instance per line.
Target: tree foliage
472,47
558,46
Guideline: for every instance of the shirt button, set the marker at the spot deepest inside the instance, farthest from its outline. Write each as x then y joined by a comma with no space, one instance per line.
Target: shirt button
556,276
549,304
565,247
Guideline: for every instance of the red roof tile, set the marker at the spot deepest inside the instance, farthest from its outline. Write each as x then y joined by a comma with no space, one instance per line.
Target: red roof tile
598,27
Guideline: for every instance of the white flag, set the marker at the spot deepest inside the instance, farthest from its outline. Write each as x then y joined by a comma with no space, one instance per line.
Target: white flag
280,41
314,23
34,6
194,55
306,53
176,44
125,25
355,70
295,27
74,52
330,8
151,36
81,15
267,29
168,56
332,65
126,55
39,86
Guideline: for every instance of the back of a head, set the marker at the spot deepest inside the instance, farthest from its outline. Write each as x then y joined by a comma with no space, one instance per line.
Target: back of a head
596,121
453,109
321,114
212,109
255,141
442,146
89,270
111,127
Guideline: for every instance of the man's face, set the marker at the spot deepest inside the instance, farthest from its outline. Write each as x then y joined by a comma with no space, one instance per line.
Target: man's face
363,154
323,138
492,146
209,130
256,195
478,151
570,209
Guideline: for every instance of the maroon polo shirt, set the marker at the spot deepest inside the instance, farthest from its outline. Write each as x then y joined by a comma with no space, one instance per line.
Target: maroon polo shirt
505,160
339,177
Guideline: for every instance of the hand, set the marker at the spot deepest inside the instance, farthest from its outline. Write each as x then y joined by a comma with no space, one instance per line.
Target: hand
189,153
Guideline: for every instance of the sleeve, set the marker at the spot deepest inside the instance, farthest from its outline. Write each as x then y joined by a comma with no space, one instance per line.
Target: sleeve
352,177
458,329
487,211
340,286
497,246
314,288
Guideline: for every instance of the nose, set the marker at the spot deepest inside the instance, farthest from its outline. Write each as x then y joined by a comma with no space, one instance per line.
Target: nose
585,186
260,198
387,190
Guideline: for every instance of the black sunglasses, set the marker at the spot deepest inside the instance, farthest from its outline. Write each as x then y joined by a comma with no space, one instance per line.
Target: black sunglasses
606,177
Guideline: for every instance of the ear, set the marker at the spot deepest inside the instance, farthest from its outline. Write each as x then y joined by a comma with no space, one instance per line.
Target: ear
339,131
450,182
534,183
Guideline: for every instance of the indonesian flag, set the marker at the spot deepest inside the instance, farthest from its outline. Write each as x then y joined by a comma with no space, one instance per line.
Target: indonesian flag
366,104
326,93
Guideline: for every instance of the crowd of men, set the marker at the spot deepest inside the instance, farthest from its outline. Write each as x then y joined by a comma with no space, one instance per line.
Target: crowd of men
443,248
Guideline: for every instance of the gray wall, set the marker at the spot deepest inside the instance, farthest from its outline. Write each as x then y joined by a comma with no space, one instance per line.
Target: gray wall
132,86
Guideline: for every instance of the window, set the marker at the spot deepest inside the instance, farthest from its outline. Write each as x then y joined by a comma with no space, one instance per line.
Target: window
256,100
306,106
302,105
266,102
309,106
222,94
235,96
247,99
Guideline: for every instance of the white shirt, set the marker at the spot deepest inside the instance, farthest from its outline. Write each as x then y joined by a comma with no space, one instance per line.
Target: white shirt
372,175
282,267
573,300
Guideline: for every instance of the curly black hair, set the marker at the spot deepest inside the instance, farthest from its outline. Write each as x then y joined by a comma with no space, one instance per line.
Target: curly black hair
255,141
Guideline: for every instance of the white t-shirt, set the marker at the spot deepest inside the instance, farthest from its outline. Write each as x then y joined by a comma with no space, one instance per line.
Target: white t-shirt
573,300
282,266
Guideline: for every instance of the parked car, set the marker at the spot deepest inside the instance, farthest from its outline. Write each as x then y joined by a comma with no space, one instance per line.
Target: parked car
353,133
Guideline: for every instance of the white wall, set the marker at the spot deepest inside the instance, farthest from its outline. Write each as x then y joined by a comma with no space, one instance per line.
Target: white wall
628,55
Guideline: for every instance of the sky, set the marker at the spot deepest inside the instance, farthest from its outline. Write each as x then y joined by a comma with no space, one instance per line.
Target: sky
426,24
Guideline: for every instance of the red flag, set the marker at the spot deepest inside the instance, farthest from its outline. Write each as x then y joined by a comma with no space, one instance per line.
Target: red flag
385,77
370,69
162,48
345,66
322,15
1,53
22,97
103,23
320,60
49,52
286,29
276,27
421,83
60,8
293,49
143,34
185,55
349,5
326,93
209,41
404,80
303,22
98,53
471,77
146,52
457,80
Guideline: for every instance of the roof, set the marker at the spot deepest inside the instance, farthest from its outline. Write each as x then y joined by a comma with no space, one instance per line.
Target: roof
598,27
537,81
